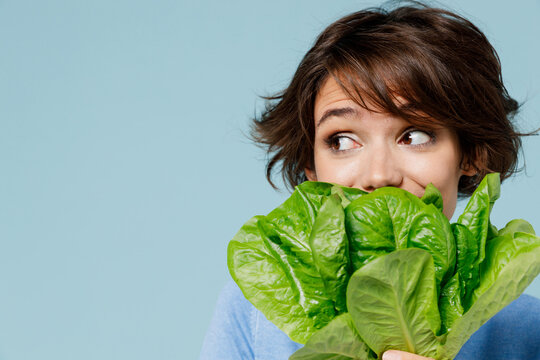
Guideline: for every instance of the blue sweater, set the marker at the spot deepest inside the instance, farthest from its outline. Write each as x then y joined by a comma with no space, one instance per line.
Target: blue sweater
239,331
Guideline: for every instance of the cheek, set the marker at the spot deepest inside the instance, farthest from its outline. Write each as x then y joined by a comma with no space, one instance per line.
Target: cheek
445,176
341,172
449,195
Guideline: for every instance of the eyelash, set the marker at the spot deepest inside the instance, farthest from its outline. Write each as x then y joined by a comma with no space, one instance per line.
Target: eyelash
329,141
429,133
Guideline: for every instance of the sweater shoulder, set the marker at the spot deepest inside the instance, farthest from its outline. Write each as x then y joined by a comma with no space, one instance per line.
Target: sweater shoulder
512,333
230,334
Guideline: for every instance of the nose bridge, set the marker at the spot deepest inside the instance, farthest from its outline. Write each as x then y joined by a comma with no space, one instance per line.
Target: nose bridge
381,168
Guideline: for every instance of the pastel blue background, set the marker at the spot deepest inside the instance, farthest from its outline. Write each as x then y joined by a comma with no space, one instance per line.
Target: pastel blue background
124,169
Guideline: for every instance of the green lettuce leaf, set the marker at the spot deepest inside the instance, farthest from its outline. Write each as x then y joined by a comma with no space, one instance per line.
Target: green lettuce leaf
408,278
271,260
467,263
475,217
432,195
336,341
450,305
330,249
390,218
392,311
511,264
517,225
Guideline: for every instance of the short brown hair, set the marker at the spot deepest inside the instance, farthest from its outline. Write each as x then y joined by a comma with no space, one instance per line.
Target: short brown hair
440,63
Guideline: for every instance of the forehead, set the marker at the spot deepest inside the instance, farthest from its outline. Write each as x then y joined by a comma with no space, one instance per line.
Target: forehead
337,93
331,94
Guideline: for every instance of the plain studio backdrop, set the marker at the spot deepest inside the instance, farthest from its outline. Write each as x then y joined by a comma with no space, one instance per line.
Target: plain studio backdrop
125,169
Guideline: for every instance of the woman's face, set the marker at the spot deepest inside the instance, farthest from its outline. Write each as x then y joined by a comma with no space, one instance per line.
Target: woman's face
358,148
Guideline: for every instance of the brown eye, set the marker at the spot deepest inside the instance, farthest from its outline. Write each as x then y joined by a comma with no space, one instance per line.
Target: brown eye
415,137
342,143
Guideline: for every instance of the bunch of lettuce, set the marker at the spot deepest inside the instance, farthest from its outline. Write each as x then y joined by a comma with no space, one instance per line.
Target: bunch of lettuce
351,274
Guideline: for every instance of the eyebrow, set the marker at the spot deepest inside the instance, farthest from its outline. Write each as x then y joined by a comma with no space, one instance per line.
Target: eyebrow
345,111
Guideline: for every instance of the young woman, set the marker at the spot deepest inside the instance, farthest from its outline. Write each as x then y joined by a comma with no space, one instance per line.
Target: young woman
398,98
